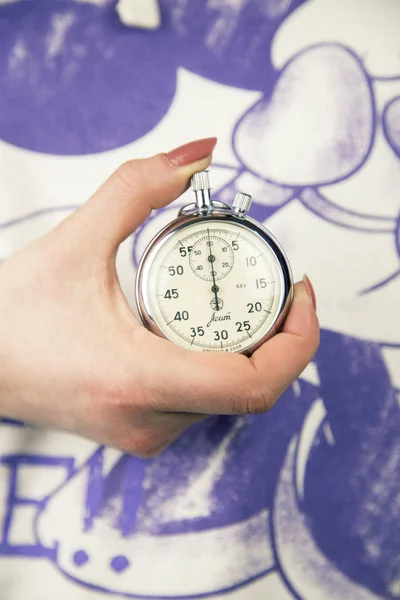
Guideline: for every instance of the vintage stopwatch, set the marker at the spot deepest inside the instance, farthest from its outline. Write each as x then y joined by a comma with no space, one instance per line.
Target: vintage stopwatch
214,279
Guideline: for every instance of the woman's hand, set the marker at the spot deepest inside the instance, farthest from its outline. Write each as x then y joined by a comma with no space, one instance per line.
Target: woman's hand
72,354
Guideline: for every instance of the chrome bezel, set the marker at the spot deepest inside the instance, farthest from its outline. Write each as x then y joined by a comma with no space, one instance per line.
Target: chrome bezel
222,215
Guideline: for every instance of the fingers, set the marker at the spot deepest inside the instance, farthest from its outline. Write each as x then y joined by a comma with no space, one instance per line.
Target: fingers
127,198
221,383
283,358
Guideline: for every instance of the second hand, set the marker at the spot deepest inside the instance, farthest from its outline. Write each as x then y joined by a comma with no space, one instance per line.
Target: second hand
211,259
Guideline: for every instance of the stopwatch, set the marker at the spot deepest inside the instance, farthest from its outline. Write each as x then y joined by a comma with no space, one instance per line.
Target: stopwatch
214,279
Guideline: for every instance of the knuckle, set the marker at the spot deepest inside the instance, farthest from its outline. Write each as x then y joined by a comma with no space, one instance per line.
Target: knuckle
115,399
260,401
252,401
144,444
151,453
253,397
240,402
122,389
127,173
133,175
126,409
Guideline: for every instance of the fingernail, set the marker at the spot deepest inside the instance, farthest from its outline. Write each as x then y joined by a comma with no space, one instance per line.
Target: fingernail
310,291
191,152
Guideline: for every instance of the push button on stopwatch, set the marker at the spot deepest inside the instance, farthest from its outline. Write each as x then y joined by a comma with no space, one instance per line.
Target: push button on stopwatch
241,204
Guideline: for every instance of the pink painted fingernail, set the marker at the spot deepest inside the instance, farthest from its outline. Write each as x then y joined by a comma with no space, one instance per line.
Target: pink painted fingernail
191,152
310,291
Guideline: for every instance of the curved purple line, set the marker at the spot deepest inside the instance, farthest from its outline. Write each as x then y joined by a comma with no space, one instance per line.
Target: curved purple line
226,590
12,422
373,116
397,235
227,167
329,209
38,213
383,78
385,128
275,553
270,209
381,284
384,345
245,167
299,501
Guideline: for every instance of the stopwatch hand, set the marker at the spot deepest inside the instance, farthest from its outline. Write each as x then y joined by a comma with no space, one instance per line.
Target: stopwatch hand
211,260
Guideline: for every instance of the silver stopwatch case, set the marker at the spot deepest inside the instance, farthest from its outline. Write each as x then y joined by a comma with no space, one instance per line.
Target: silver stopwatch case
203,211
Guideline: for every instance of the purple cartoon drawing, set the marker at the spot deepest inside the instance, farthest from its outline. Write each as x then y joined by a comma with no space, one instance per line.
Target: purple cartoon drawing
309,491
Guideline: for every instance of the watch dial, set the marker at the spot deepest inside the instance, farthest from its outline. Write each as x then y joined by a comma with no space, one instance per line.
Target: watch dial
214,285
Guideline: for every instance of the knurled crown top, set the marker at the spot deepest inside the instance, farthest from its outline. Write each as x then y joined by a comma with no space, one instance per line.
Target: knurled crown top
242,203
201,181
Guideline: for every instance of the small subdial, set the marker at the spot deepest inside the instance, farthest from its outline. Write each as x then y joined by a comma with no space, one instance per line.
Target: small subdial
211,258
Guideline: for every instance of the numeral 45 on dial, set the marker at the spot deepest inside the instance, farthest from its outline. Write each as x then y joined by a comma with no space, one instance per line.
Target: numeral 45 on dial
170,294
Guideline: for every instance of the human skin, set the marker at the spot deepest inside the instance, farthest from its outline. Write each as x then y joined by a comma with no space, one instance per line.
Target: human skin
74,357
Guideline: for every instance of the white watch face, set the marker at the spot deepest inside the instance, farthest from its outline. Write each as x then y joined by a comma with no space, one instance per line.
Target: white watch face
213,285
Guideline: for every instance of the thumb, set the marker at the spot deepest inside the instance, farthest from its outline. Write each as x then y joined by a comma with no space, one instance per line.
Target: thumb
127,198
